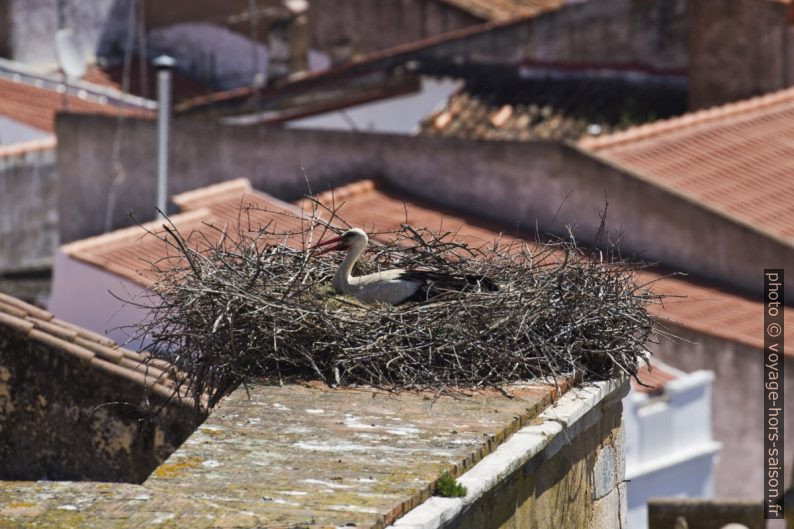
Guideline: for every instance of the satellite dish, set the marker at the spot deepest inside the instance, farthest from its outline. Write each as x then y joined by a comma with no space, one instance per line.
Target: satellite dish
70,59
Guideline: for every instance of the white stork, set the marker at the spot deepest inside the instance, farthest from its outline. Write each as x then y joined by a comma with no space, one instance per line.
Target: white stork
391,286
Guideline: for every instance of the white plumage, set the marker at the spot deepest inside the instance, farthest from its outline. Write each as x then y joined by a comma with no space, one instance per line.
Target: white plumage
390,286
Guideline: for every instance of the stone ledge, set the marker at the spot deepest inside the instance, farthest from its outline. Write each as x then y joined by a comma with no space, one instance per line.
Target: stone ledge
577,410
299,456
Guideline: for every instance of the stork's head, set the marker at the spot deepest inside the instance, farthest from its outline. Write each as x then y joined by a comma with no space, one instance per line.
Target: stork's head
352,238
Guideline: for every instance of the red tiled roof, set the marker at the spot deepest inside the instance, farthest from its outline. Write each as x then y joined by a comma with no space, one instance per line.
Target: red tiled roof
381,60
37,107
505,9
467,116
737,159
132,252
711,311
376,208
97,351
549,108
183,87
655,377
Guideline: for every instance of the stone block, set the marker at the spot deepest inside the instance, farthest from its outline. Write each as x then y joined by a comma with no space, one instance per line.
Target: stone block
604,472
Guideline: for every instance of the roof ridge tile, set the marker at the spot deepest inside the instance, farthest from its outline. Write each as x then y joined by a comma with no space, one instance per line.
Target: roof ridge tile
27,307
189,200
73,248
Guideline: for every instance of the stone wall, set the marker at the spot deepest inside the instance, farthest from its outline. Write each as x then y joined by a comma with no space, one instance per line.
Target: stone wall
28,206
522,184
364,26
77,423
738,49
737,404
582,485
642,34
627,34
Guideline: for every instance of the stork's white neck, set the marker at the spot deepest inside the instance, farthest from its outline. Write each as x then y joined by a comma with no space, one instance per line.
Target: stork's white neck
343,280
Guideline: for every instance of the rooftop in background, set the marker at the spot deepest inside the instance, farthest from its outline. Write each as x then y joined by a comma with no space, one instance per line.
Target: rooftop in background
554,107
144,84
377,208
505,9
130,252
33,99
96,351
82,89
736,159
655,376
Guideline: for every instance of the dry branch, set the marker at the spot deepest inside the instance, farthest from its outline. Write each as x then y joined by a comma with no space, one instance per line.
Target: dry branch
255,303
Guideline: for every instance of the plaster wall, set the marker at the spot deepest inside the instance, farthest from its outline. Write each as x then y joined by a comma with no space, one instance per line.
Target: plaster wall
626,34
649,34
544,184
28,208
95,299
669,446
579,486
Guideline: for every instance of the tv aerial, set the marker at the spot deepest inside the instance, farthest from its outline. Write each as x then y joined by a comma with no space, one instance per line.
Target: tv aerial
67,51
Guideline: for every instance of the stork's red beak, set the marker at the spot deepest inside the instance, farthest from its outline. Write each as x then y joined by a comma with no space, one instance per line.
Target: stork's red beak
341,245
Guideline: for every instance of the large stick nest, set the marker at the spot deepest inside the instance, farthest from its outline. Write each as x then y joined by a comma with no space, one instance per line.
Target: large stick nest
257,303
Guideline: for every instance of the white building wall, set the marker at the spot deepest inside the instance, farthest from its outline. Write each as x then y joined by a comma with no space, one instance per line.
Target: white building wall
669,447
95,299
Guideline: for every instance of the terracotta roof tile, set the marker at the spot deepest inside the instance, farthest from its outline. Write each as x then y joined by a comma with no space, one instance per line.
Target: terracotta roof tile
208,212
737,159
505,9
655,377
550,108
377,208
37,107
39,325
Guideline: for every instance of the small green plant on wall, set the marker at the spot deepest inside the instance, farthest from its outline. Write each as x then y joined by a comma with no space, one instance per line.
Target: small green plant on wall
449,487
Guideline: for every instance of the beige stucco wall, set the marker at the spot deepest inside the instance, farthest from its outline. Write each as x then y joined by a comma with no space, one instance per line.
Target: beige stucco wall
522,184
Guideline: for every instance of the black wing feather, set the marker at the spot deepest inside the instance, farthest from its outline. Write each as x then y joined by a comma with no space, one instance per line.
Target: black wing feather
432,284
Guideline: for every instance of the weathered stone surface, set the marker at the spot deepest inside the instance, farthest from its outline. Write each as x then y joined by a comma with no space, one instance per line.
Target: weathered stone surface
293,456
604,473
63,419
555,487
606,511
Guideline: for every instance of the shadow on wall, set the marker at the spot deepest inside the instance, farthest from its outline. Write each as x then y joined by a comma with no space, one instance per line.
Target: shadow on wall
78,422
579,486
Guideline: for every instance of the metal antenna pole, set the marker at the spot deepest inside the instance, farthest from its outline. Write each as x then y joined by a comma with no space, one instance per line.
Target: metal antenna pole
164,65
